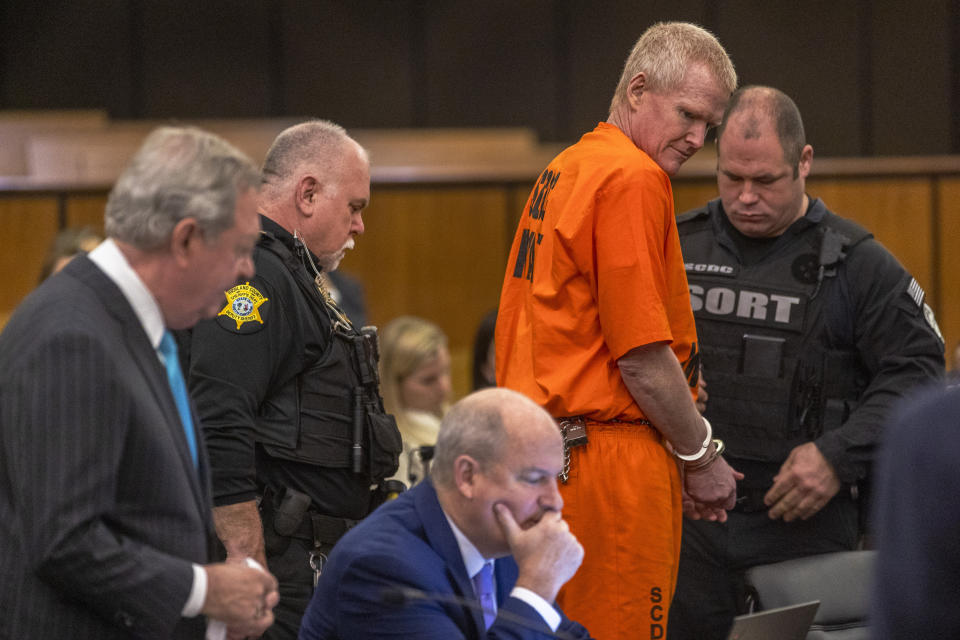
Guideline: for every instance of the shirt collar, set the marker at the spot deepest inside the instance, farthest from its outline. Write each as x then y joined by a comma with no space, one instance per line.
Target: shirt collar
108,257
473,560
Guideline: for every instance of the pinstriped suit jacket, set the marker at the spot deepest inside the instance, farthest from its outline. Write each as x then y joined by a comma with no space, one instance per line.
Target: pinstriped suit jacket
101,509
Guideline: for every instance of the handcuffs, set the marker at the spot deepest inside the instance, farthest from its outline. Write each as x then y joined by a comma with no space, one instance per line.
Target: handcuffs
574,433
573,430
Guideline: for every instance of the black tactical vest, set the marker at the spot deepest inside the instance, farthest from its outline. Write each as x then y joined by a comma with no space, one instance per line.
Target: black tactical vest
775,337
341,422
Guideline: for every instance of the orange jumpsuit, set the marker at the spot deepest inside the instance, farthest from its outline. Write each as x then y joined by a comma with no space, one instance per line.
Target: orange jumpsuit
595,270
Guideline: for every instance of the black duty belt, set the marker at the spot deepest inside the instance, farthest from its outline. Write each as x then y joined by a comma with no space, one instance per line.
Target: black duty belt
295,519
750,500
322,531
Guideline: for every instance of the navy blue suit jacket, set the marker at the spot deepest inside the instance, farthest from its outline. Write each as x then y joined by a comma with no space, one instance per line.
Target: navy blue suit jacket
408,543
101,509
917,575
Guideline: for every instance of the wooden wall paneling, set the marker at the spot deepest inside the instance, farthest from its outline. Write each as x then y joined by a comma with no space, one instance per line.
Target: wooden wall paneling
463,147
948,241
253,136
490,64
897,210
548,64
810,51
29,226
693,193
437,253
86,210
351,62
911,35
66,55
86,156
18,126
204,59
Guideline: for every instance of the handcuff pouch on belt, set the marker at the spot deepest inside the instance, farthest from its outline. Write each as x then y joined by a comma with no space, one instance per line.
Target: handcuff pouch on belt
574,433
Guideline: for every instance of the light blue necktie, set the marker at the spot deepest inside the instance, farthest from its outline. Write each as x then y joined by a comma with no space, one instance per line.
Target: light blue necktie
483,586
168,348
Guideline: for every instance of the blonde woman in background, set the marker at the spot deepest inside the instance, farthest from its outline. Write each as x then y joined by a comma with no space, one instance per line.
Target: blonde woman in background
415,382
67,245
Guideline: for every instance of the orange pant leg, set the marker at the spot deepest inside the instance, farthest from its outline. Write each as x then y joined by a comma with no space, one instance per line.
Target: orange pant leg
622,501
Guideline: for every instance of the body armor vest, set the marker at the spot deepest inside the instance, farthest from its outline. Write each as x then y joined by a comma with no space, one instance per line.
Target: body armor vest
776,337
340,419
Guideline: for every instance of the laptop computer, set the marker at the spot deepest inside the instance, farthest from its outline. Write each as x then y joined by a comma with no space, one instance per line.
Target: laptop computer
784,623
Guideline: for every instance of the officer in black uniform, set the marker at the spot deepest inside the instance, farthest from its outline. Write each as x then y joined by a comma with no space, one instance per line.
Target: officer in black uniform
809,330
286,385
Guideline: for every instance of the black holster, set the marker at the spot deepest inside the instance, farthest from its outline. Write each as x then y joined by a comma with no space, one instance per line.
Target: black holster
290,517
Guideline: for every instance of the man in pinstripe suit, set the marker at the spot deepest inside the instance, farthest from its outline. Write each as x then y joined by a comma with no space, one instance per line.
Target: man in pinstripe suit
105,523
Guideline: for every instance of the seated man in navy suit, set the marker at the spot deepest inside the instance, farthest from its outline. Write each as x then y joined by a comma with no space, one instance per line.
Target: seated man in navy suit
407,571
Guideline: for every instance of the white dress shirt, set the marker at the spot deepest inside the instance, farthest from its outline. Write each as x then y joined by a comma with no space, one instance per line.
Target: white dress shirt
474,561
108,257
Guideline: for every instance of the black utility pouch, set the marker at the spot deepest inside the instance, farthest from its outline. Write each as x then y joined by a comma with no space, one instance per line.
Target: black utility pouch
385,445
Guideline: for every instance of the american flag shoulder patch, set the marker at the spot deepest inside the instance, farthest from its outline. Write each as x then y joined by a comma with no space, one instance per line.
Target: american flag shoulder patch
915,291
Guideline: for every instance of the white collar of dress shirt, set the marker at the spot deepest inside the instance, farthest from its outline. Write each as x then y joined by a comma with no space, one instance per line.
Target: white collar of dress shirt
108,257
472,558
474,561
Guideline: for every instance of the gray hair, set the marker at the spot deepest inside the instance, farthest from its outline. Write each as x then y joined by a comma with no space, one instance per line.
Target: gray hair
321,143
664,52
779,109
473,426
178,172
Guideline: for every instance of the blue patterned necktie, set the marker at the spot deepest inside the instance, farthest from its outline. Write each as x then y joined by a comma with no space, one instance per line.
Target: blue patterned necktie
483,586
168,349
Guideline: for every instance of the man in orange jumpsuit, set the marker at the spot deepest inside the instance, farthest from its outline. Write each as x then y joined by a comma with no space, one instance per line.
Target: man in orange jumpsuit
595,325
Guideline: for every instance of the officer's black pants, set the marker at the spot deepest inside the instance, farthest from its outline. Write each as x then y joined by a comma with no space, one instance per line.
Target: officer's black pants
714,557
293,572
